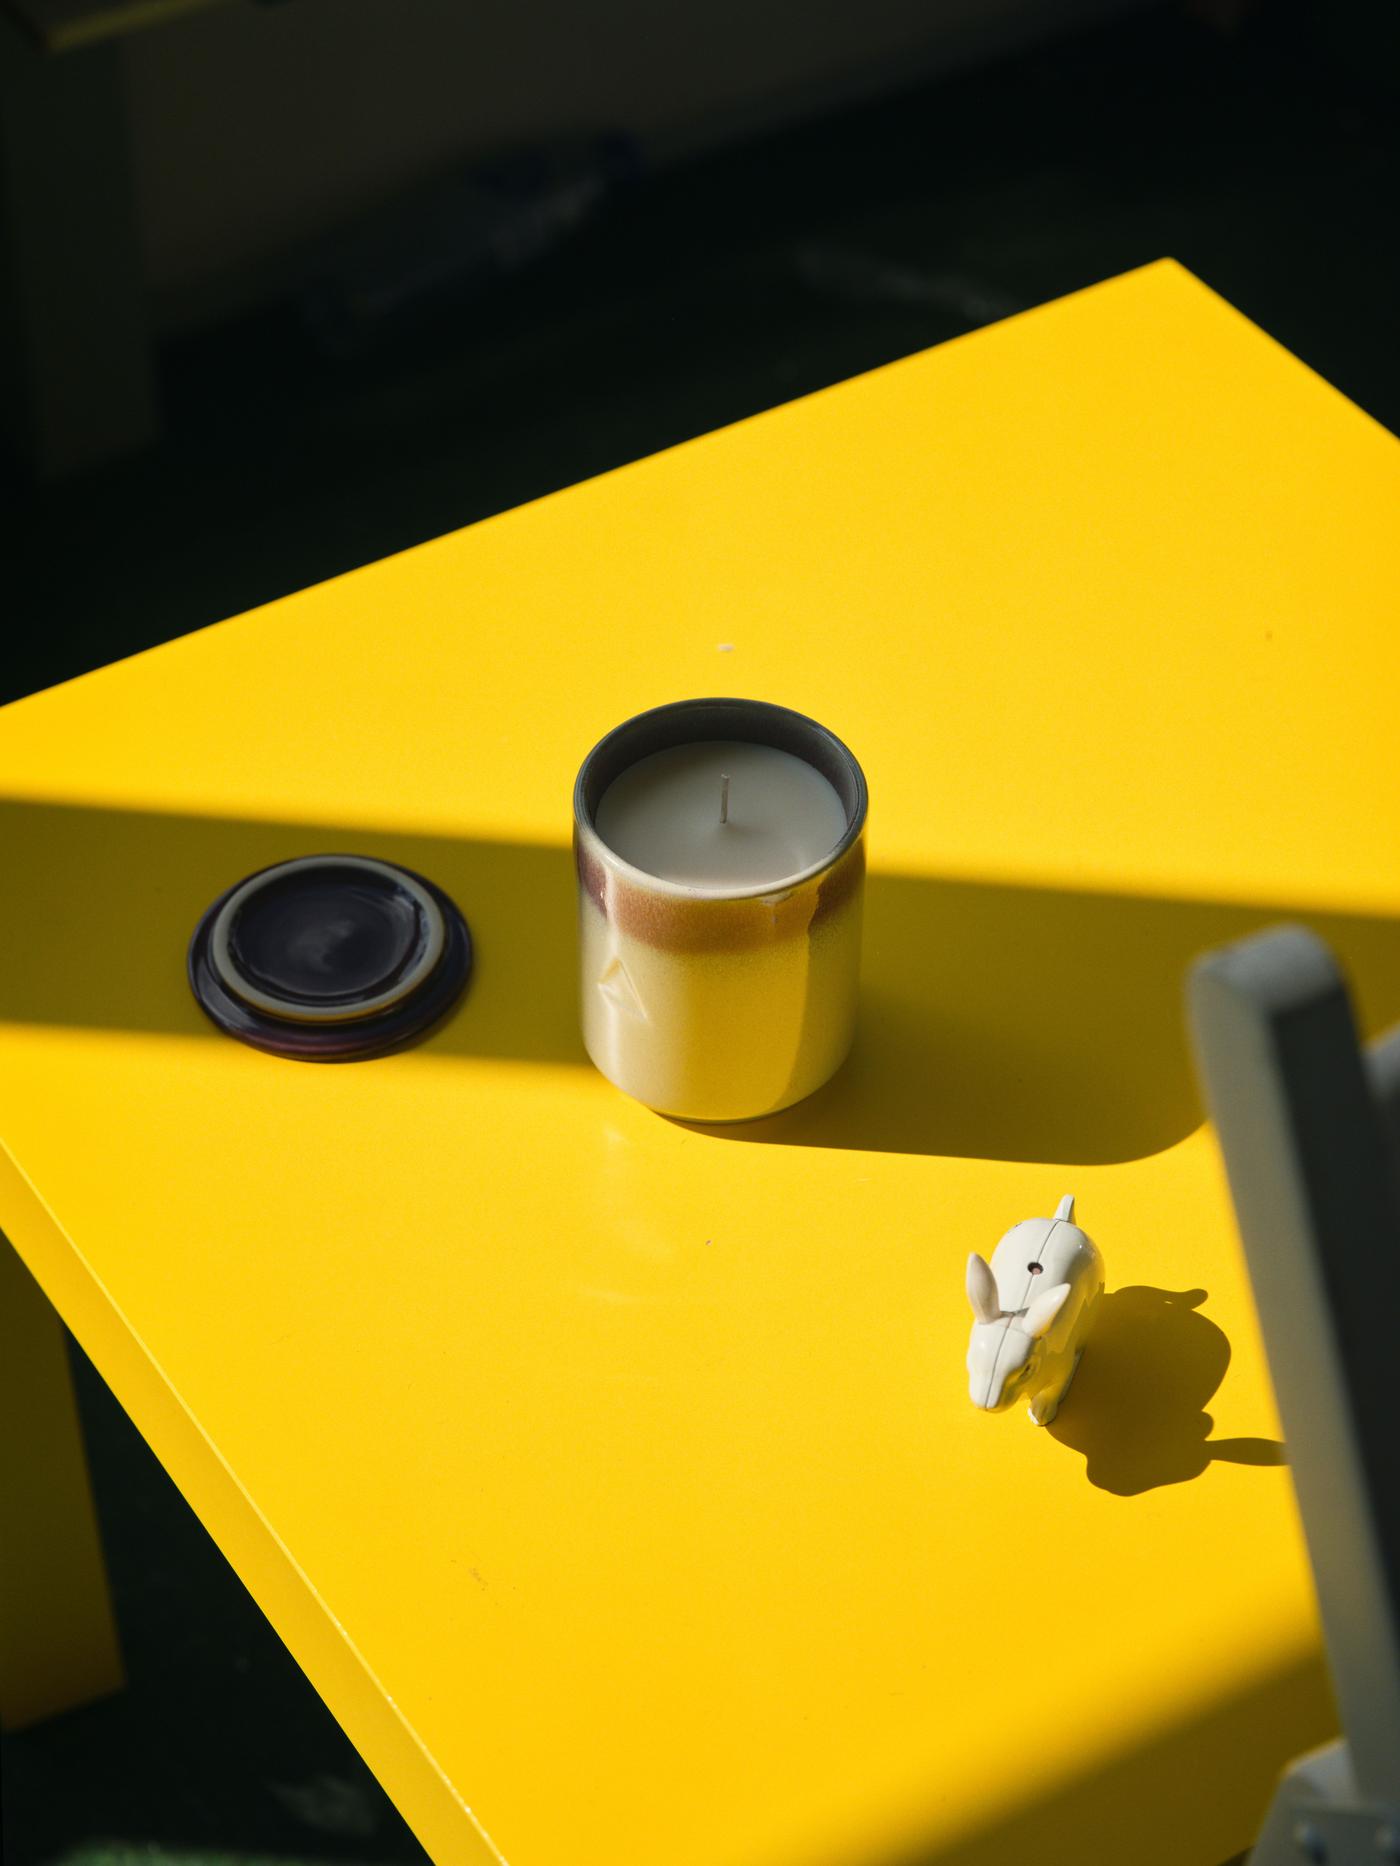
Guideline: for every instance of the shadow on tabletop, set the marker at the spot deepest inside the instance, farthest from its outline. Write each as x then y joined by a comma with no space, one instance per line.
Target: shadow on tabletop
1136,1411
1195,1787
997,1022
1035,1024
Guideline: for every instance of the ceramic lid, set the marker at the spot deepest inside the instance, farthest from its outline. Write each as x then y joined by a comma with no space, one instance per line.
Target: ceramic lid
330,957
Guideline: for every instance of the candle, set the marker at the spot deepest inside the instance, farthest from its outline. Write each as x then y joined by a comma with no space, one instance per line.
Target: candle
721,815
720,857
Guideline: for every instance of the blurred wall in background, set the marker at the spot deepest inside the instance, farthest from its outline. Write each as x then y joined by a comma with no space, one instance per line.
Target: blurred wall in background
257,128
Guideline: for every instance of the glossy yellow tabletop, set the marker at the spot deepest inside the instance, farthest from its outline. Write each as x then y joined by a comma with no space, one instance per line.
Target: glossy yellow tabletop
616,1482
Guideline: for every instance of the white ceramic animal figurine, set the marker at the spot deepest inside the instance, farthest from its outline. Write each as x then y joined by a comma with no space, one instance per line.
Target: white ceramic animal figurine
1034,1304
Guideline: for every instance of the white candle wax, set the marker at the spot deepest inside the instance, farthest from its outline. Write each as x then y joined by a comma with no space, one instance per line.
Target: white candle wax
721,815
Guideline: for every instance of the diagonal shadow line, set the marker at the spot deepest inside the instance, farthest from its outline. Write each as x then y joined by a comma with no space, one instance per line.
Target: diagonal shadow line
997,1022
1211,1764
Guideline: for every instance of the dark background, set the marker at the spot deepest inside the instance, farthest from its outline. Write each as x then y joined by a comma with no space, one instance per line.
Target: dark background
1259,145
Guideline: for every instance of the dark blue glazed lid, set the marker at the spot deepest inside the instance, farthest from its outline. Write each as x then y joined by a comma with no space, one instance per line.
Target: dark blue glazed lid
329,958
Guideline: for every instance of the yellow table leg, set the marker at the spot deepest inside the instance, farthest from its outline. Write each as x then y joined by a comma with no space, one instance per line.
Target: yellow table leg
58,1641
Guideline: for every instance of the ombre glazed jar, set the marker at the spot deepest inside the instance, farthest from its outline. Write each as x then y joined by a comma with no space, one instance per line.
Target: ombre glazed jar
720,938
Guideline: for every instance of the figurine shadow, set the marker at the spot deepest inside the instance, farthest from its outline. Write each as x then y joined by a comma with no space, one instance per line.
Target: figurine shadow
997,1022
1136,1411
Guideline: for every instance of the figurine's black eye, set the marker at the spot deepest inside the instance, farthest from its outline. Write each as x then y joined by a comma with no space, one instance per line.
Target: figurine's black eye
1035,1268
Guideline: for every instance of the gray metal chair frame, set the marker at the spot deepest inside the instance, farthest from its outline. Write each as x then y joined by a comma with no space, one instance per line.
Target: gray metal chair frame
1309,1126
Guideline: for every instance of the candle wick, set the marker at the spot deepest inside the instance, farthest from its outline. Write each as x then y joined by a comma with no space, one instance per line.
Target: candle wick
723,799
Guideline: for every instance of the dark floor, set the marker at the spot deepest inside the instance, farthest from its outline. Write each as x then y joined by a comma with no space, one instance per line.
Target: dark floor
1268,161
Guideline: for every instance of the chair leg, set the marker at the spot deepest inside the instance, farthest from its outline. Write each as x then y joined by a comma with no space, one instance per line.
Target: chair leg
58,1640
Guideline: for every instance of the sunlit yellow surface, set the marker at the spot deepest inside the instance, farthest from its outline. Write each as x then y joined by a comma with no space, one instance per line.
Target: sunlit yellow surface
616,1482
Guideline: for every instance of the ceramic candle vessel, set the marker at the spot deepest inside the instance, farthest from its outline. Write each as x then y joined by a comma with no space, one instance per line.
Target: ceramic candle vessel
715,993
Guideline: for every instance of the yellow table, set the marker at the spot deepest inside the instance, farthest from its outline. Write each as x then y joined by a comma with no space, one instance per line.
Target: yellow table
616,1483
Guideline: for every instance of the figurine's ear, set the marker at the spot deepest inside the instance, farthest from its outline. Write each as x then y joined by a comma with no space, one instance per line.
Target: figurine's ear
1042,1312
982,1289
